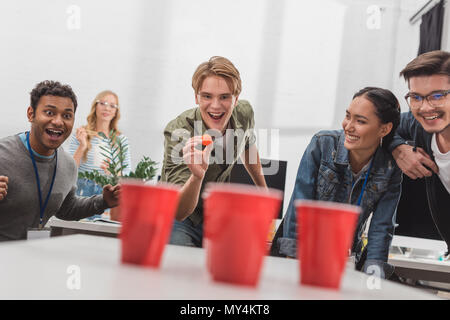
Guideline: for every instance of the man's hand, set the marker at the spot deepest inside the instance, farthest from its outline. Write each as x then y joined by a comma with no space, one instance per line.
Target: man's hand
253,167
413,163
3,187
196,159
111,195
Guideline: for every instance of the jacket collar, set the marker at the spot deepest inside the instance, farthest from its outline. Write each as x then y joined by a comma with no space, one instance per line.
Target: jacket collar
341,154
423,139
198,117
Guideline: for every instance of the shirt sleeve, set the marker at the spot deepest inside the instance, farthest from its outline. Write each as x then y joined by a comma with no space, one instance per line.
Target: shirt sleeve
405,131
76,208
381,230
305,186
382,225
174,169
72,145
248,118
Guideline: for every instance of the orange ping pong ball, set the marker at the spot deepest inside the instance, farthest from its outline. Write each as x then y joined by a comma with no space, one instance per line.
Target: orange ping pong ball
206,139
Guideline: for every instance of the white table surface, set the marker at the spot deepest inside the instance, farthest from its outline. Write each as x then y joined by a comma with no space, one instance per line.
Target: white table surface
396,260
417,257
38,269
97,226
419,263
418,243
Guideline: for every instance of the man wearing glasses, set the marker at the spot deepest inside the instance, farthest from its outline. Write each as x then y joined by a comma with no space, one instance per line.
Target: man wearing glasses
428,125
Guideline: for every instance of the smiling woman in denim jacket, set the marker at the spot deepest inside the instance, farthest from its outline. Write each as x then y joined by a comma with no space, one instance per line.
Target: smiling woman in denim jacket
335,166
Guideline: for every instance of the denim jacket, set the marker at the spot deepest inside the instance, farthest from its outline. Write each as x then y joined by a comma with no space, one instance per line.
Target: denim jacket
325,174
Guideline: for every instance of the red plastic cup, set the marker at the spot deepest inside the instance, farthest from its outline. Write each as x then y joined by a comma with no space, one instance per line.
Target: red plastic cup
147,214
237,219
324,233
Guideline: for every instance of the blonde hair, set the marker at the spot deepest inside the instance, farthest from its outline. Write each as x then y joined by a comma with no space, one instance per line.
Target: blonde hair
218,66
92,119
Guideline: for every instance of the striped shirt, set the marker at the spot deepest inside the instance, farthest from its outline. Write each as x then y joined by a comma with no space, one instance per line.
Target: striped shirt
94,156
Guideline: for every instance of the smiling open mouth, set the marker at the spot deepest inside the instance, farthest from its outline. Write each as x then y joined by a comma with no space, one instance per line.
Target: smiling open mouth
54,132
216,116
351,137
431,117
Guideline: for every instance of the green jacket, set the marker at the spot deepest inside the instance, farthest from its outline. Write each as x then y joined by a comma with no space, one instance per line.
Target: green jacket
182,128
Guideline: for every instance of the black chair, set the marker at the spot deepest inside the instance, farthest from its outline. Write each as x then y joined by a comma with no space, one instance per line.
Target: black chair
413,214
274,173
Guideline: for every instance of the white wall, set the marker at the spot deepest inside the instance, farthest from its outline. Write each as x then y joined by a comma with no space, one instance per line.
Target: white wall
300,61
446,31
365,56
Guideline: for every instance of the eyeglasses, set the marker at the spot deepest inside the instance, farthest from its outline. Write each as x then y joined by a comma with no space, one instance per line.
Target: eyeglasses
435,99
106,104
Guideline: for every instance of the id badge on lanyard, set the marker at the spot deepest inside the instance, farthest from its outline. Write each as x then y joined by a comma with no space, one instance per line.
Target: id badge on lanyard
38,233
35,233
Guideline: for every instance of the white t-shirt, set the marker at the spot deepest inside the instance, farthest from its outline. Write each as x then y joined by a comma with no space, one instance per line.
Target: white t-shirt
443,163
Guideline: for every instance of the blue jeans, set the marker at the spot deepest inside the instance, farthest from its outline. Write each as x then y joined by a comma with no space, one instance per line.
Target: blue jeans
87,188
184,233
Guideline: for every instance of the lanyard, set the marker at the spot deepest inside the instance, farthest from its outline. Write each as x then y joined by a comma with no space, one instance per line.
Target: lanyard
364,184
41,207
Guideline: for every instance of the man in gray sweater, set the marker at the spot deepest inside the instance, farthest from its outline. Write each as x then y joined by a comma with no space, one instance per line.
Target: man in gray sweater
37,178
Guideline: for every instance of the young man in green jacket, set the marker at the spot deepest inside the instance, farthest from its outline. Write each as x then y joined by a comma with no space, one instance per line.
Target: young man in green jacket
230,121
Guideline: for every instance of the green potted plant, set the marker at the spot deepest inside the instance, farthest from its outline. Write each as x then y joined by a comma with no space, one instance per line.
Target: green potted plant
115,155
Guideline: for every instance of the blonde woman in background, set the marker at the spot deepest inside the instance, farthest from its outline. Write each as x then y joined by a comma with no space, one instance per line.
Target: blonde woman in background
85,144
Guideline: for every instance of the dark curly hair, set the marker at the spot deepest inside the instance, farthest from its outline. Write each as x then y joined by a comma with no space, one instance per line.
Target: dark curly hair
52,88
387,108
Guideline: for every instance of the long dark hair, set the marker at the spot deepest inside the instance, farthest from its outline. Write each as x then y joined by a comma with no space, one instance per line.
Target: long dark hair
387,108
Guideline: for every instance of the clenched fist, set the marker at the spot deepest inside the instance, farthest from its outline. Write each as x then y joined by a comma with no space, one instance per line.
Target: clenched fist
3,187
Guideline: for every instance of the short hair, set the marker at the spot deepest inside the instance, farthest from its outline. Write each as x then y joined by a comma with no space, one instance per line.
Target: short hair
218,66
52,88
428,64
387,108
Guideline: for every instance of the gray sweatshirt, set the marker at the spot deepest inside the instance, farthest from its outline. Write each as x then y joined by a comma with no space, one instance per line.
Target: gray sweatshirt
20,209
